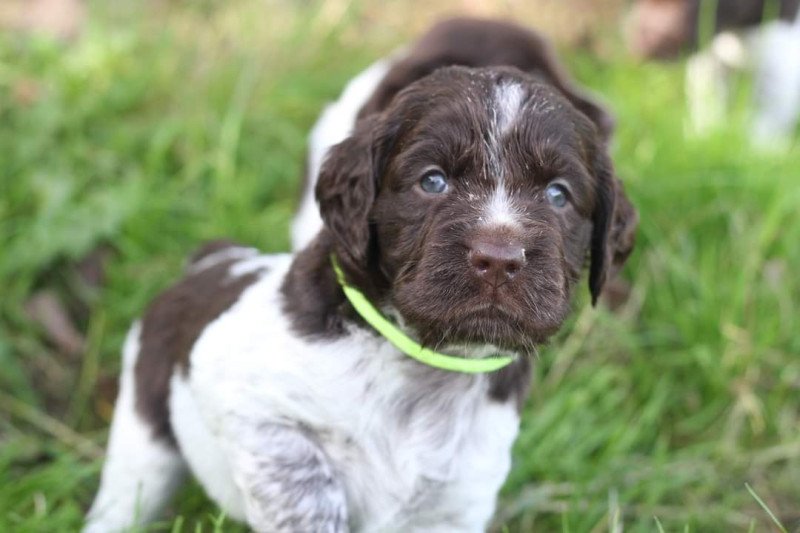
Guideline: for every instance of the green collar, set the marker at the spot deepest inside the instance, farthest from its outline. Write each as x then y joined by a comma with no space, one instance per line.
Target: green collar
408,346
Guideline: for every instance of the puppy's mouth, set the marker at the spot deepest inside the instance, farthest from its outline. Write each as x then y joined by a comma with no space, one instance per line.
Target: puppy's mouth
485,324
456,309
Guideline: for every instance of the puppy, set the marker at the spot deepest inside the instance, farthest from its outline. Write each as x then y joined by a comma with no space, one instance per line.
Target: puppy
743,40
373,380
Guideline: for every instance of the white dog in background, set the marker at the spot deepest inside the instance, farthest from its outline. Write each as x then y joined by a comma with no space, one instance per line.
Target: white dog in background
742,40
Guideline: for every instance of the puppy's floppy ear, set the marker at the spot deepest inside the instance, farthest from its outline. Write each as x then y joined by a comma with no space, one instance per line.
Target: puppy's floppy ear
614,227
346,189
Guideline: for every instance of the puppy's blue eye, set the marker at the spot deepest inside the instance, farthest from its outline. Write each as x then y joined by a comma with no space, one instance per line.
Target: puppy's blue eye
433,182
556,195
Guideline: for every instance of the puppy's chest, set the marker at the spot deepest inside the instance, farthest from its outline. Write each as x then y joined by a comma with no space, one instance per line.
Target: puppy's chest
410,450
405,439
406,443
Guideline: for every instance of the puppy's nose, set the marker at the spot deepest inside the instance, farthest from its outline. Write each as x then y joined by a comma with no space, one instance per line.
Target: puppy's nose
496,261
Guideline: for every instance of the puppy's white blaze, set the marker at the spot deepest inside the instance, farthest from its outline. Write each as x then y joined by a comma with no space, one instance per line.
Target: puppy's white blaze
500,209
508,100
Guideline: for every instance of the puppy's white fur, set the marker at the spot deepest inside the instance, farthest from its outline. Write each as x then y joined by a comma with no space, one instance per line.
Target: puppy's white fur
777,91
139,473
772,51
403,463
508,98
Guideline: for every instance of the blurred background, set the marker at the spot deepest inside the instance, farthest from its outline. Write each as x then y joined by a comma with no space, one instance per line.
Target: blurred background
132,131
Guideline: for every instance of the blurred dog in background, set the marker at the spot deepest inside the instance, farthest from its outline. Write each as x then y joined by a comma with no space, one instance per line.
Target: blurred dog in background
760,35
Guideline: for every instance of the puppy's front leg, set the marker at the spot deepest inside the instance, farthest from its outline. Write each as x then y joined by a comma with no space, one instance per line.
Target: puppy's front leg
287,481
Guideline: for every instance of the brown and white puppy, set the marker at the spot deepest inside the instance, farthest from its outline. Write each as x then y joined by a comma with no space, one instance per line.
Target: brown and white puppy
740,37
464,204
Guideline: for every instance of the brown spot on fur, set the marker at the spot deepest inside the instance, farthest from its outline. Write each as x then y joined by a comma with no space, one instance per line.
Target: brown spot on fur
312,297
171,326
623,230
512,382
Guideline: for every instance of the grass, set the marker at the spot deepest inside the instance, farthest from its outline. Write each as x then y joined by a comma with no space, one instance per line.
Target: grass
162,126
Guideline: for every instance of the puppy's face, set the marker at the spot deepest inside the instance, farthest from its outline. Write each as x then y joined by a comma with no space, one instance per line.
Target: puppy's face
470,206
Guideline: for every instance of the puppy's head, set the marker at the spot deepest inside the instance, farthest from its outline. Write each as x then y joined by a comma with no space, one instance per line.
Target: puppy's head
471,204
